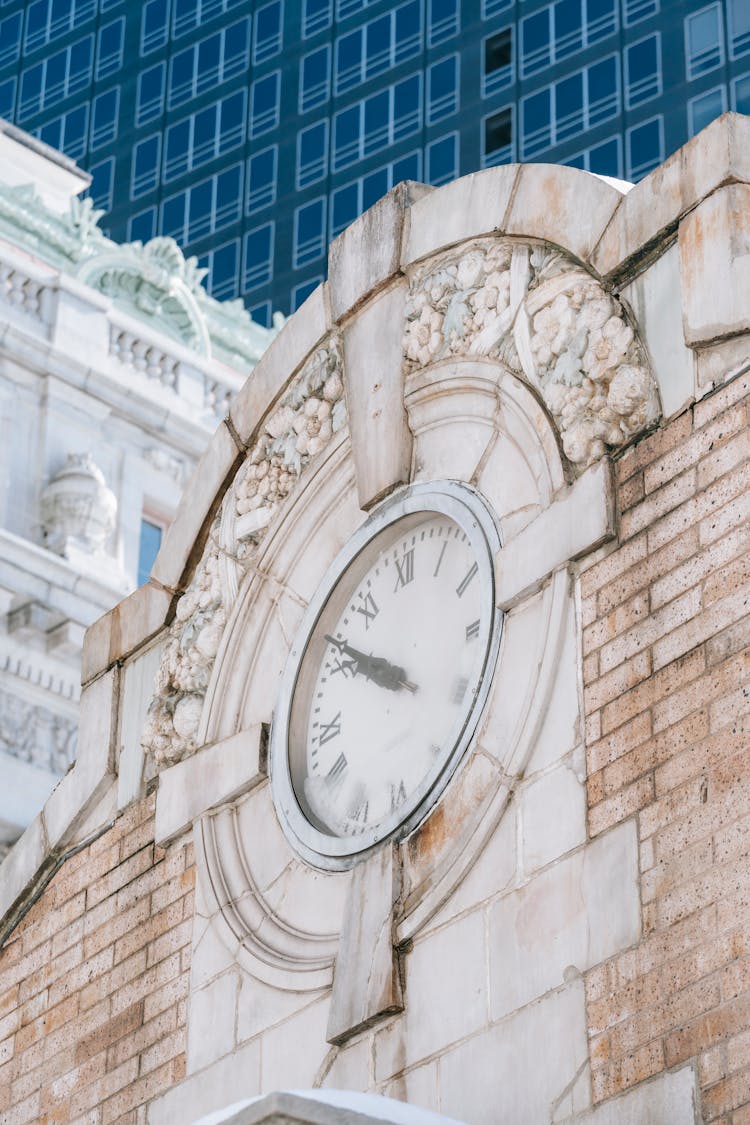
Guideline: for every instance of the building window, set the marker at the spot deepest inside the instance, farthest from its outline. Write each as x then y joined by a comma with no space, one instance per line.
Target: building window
312,154
142,227
47,20
315,78
703,109
498,138
309,232
497,62
148,548
204,208
150,95
492,8
442,21
346,8
645,144
102,183
154,25
578,101
146,155
209,62
7,98
110,47
301,292
258,256
264,103
643,71
739,28
223,269
379,45
741,94
703,41
442,160
261,314
190,14
348,202
442,89
268,28
604,159
380,120
561,29
104,115
204,135
56,77
261,178
316,16
635,10
10,39
68,132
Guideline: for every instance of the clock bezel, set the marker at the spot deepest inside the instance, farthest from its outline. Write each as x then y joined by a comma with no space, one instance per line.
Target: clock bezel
459,502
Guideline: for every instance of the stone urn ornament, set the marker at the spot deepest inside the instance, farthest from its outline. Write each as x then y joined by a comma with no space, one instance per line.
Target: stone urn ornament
78,510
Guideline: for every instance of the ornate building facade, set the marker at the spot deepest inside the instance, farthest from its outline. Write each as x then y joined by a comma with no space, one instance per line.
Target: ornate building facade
115,366
412,786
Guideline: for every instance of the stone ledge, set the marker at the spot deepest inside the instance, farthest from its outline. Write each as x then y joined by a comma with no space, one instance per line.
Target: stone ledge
133,622
212,776
578,522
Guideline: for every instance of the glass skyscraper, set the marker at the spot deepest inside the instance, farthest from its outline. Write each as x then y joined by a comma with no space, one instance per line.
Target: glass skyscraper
253,132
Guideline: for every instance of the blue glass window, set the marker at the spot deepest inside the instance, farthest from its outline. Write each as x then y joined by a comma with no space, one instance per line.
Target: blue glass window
104,117
703,41
301,292
268,26
30,100
537,122
258,256
110,47
443,21
145,165
148,549
316,16
154,25
374,187
536,42
349,60
177,149
213,60
601,19
312,154
643,71
261,313
377,121
635,10
261,178
67,132
223,269
492,8
102,183
10,38
7,98
345,207
142,226
645,148
228,197
346,137
602,90
568,24
185,16
442,89
739,28
379,45
346,8
702,110
56,77
315,78
407,33
497,59
442,160
407,106
46,20
605,159
150,97
741,94
309,232
264,103
498,138
406,168
206,134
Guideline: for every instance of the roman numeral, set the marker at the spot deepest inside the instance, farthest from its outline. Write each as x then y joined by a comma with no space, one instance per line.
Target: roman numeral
368,609
346,667
472,631
360,814
330,730
398,795
459,689
336,771
404,569
461,588
440,559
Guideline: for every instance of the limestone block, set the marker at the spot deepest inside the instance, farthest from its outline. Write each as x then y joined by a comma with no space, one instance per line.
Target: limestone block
668,1099
183,540
80,326
211,1021
553,817
20,867
132,623
655,298
446,996
366,982
211,955
233,1078
468,208
212,776
519,1069
351,1067
721,361
578,522
714,243
651,209
560,729
368,253
549,200
262,1006
293,1052
136,691
373,381
301,333
573,915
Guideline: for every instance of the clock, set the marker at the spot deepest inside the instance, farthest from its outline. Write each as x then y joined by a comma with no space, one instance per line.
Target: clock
388,674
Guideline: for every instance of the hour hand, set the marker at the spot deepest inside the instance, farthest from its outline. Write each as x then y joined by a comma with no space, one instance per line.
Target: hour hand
375,668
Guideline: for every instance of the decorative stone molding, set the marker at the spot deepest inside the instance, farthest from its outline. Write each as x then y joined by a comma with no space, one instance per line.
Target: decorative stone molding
297,430
34,734
532,307
77,508
21,291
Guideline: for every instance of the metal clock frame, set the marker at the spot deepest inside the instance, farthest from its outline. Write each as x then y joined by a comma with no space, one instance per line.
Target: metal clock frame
463,504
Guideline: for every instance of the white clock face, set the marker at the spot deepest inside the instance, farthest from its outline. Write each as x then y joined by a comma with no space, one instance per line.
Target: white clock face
391,671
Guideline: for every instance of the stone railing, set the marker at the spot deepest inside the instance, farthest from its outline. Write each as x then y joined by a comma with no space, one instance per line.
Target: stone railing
23,292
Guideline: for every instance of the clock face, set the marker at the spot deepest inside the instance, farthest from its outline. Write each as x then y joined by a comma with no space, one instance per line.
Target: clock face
389,673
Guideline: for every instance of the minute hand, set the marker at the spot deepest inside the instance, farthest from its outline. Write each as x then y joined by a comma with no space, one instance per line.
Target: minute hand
375,668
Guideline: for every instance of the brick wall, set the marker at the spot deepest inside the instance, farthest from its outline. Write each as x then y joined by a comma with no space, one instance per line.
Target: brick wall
93,982
666,634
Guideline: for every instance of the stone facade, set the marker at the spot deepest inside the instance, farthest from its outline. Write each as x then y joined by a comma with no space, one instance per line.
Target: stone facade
563,938
115,366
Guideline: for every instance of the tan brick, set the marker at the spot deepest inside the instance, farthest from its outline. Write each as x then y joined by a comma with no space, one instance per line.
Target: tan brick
658,504
722,399
691,451
97,1092
622,805
699,567
157,924
720,461
617,681
606,572
118,1026
169,942
706,1031
126,872
620,742
657,692
654,446
618,621
163,1026
142,1090
727,1095
121,922
663,623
